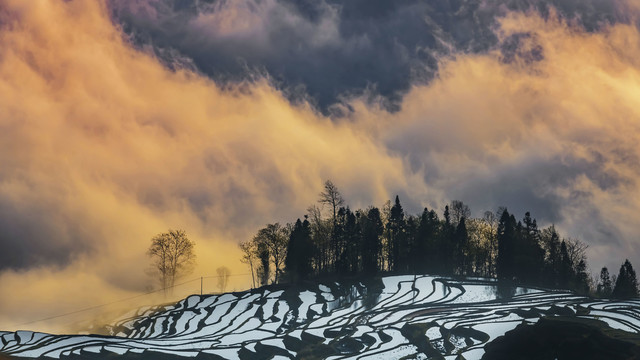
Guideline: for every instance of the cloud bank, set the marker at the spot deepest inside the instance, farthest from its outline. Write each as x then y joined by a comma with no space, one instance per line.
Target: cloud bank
103,145
552,130
332,48
103,148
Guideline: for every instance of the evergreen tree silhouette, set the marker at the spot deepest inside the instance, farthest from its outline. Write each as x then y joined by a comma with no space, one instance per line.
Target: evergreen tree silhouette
506,246
349,243
461,238
446,243
529,255
605,287
372,229
554,259
299,252
396,230
626,283
582,278
566,272
408,245
426,251
352,238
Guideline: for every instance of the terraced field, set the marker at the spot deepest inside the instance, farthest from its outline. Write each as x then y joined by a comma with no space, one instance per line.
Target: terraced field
419,317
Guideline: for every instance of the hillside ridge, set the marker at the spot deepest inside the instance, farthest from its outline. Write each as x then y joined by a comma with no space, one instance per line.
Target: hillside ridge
396,317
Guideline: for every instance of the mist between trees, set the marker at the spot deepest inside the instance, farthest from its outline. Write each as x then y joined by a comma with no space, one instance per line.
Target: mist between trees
173,257
332,240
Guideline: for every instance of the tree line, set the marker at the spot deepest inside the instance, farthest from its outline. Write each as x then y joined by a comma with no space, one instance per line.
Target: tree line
332,240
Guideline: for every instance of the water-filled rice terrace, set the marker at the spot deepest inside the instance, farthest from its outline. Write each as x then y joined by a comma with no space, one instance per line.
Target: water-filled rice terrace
404,316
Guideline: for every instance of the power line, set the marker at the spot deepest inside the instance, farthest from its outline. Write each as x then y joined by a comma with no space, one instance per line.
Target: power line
106,304
124,299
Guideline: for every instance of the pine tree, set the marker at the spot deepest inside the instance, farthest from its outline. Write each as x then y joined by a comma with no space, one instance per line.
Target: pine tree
447,243
299,251
305,267
605,286
408,245
529,254
372,229
396,229
553,257
447,215
352,237
427,252
461,238
506,246
338,240
582,278
566,274
626,283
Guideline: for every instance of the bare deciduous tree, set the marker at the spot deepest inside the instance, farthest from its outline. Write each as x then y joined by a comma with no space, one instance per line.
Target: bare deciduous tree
459,210
321,235
275,238
577,251
491,220
249,257
223,278
332,197
172,255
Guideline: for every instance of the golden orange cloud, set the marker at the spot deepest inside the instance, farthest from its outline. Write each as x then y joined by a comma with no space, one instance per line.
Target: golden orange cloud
102,148
109,148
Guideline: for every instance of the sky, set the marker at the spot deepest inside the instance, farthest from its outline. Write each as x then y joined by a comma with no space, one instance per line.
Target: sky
122,119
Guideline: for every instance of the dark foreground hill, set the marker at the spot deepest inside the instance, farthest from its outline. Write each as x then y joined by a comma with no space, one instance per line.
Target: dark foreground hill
398,317
565,338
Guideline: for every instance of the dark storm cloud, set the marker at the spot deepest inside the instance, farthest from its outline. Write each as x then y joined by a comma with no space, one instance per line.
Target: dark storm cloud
32,237
327,49
530,186
330,48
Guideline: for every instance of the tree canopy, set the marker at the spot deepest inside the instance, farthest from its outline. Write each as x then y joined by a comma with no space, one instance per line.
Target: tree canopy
340,241
172,255
626,283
